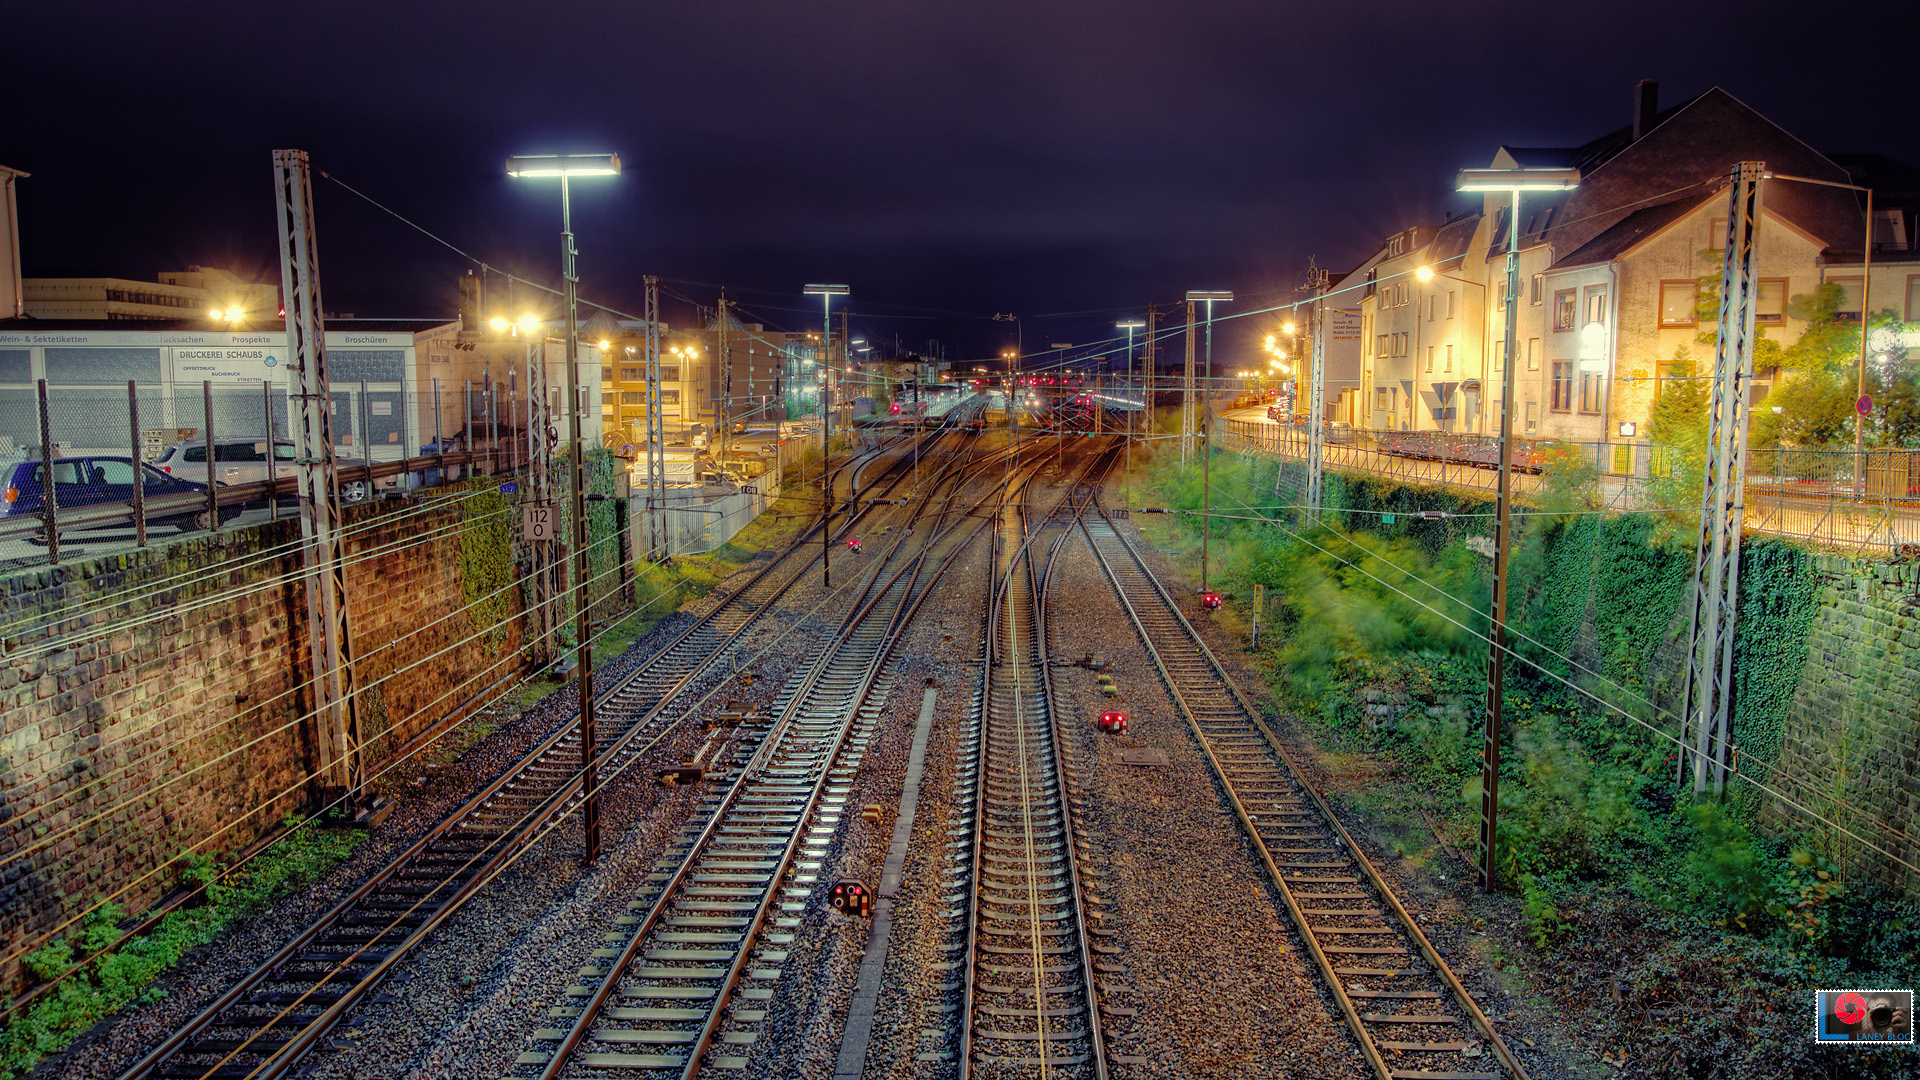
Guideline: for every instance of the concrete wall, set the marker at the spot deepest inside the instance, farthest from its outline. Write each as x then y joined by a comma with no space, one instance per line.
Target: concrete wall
155,702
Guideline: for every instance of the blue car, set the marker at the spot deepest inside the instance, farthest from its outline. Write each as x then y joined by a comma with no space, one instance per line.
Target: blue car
93,480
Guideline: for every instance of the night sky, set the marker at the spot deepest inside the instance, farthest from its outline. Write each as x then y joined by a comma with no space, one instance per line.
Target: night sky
1066,161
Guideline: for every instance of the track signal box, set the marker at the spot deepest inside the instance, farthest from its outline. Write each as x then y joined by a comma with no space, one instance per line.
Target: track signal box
852,897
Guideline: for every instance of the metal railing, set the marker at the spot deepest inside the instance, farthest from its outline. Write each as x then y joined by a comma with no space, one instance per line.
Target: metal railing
1831,497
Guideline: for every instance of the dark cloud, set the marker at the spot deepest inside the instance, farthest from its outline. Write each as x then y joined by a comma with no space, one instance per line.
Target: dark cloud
960,157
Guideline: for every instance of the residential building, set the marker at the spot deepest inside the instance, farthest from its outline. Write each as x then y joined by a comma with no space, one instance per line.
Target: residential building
12,298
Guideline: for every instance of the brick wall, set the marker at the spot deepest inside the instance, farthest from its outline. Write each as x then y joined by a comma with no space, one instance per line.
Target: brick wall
156,701
1851,747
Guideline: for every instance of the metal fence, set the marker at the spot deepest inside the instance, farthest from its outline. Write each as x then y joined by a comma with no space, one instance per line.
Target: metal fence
1829,496
72,455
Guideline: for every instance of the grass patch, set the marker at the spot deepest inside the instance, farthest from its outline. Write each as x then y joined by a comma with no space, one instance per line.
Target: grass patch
114,979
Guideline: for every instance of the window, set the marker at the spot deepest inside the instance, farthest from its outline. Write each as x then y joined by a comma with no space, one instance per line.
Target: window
1677,302
1381,346
1433,306
1533,416
1770,304
1596,305
1717,235
669,372
1449,366
1382,400
669,397
1590,392
1913,298
1562,386
1533,354
1429,358
118,473
1539,287
1453,296
1564,309
632,374
1849,298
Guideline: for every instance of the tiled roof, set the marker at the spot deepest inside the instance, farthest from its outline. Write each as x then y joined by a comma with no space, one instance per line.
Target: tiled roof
1636,227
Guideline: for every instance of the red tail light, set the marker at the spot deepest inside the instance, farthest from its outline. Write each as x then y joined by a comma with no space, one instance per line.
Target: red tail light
168,469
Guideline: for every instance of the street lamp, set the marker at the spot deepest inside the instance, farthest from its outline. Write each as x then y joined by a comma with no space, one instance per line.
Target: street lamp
826,293
1512,181
1130,325
566,166
1206,404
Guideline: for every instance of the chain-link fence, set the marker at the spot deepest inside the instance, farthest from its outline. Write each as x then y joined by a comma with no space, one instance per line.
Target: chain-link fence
1833,497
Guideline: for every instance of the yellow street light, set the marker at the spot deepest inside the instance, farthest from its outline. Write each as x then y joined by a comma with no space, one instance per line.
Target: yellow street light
529,323
499,322
1425,273
1287,326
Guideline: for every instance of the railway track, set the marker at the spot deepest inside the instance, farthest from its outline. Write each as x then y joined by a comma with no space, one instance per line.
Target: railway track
267,1022
1030,1002
710,925
1411,1015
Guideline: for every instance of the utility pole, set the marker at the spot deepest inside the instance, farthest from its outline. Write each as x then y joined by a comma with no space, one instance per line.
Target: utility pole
546,613
1149,360
656,427
1186,396
329,628
725,358
1316,396
1208,297
826,293
1716,585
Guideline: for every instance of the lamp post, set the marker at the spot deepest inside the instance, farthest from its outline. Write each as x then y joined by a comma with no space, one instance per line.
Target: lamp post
826,293
1206,425
1130,325
1513,181
566,166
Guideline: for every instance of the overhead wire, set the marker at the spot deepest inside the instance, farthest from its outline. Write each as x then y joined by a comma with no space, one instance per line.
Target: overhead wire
1575,686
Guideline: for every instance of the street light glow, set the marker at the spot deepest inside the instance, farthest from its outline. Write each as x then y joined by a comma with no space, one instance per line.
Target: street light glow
538,165
1425,273
1517,179
529,323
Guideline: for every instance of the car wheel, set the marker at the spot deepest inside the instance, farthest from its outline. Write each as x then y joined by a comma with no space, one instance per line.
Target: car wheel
353,491
203,521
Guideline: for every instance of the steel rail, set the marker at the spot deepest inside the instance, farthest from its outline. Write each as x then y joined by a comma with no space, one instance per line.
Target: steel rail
1404,922
1018,605
503,846
900,597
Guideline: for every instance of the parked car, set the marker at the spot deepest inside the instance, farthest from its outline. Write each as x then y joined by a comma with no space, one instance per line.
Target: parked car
96,480
235,461
244,460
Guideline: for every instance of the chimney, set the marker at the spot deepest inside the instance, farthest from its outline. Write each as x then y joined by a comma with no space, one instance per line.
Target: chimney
470,303
1646,106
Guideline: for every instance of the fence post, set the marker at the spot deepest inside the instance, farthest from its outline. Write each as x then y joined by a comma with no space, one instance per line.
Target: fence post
466,430
273,472
139,470
439,444
213,485
366,439
49,498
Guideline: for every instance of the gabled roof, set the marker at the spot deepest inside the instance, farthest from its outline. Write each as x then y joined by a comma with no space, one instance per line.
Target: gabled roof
1692,148
1452,242
1637,227
733,323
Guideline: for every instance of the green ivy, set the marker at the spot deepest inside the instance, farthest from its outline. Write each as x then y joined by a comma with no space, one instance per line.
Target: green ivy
1778,602
112,980
486,558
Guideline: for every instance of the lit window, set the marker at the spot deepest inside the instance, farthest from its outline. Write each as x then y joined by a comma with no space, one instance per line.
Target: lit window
1565,309
1596,304
1770,303
1677,303
1562,386
1849,298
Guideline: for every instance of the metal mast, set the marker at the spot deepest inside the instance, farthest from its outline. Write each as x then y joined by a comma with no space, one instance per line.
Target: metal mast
1186,396
329,629
1716,585
656,424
